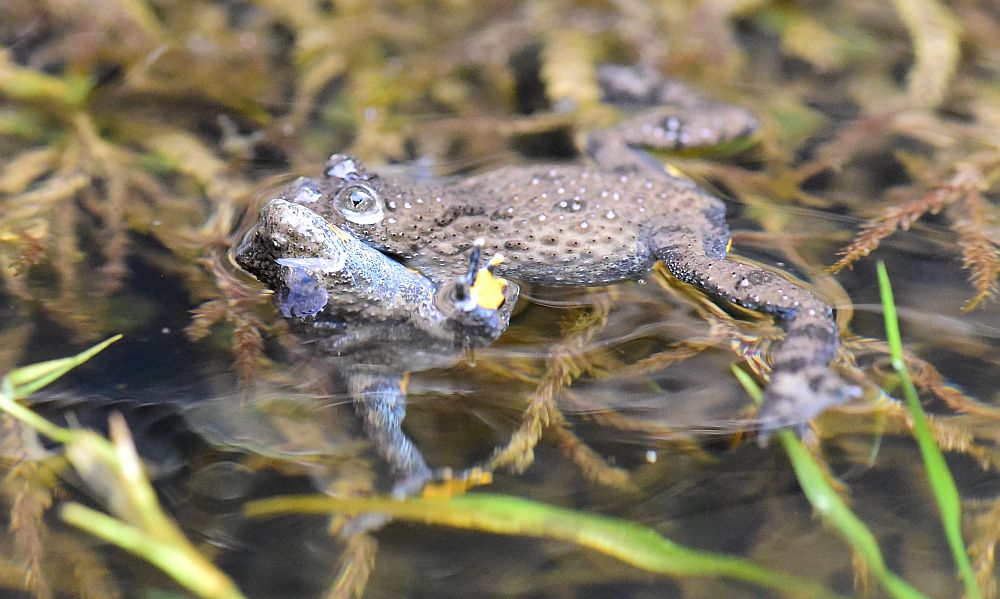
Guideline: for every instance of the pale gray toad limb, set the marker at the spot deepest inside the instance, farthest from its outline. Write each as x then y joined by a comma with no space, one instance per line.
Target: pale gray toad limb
600,222
374,318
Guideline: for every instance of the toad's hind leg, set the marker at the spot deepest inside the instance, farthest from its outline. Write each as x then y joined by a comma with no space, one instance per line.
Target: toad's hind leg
802,384
667,115
668,128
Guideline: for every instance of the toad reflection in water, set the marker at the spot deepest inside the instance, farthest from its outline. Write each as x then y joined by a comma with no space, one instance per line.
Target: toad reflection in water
603,221
373,317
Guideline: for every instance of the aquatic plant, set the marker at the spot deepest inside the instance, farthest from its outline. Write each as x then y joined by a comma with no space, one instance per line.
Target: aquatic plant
114,474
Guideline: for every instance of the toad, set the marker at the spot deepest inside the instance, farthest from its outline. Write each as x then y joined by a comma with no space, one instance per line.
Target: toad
606,219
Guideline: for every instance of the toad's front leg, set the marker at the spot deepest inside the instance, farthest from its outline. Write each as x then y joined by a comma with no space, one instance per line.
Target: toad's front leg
380,400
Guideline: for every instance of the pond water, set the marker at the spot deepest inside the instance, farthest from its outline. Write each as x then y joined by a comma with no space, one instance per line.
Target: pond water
656,431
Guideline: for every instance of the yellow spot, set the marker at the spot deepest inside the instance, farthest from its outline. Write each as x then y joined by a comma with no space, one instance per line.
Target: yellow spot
729,245
673,170
450,487
487,289
341,233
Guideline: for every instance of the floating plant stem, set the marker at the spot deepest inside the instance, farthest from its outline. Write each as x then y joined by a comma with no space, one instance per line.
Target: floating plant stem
629,542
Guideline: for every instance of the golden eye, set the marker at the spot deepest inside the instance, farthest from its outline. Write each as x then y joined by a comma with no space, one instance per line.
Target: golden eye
360,204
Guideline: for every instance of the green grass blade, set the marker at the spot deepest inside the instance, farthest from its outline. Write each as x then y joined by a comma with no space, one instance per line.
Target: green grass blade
629,542
942,484
831,507
26,380
205,582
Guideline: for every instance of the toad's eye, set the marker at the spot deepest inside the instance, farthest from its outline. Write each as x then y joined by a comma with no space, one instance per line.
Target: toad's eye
360,204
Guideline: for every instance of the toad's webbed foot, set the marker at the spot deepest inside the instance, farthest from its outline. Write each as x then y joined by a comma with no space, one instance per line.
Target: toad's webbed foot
802,384
793,397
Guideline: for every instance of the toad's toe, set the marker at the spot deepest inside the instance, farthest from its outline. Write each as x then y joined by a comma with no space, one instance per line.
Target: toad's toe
795,398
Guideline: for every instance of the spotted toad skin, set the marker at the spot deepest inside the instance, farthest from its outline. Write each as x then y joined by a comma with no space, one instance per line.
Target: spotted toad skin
605,220
557,225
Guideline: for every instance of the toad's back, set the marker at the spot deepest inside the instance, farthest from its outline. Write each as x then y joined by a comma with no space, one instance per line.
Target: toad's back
560,224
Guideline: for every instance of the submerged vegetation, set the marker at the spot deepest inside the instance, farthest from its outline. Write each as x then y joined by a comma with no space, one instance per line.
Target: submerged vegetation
136,135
